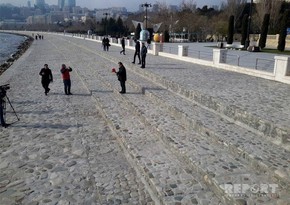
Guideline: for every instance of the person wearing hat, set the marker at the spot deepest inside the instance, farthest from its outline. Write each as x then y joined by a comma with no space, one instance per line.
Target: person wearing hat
46,78
122,77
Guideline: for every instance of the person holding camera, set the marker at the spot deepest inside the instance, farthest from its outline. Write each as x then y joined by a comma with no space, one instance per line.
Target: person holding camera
2,95
46,78
66,78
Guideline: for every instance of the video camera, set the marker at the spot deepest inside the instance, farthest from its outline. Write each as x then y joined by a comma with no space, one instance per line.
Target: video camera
3,89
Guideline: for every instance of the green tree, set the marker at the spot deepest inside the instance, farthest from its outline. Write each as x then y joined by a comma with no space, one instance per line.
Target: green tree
244,29
166,36
283,31
264,31
120,25
231,28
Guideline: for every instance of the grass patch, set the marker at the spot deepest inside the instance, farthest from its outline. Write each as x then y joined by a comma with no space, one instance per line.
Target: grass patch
275,51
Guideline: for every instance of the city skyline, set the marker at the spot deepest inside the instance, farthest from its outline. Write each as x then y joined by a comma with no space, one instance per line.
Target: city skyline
131,5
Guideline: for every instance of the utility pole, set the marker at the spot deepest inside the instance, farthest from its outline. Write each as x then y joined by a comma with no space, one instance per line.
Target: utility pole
106,21
146,5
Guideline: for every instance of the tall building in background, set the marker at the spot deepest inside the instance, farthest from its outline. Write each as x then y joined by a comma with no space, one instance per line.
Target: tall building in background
70,3
60,4
29,4
39,3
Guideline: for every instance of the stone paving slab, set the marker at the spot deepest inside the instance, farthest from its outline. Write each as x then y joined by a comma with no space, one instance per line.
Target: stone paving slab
260,104
196,149
154,159
240,141
62,150
105,73
80,54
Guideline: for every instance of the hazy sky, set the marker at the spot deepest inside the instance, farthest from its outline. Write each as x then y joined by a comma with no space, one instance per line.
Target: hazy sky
131,5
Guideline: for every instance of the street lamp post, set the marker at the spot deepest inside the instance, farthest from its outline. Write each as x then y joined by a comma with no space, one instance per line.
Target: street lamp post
146,5
247,42
106,14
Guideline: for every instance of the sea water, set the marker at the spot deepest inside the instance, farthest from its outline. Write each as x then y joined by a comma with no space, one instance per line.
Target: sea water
9,45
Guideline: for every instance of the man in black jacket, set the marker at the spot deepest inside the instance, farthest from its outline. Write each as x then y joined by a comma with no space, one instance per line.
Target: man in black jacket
122,77
143,55
46,78
137,51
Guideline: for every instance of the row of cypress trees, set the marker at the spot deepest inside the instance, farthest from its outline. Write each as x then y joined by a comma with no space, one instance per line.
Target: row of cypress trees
264,30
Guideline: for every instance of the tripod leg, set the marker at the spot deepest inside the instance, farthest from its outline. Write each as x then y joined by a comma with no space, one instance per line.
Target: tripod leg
12,107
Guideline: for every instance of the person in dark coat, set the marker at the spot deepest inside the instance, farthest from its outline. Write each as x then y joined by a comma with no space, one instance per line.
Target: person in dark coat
104,44
122,77
143,55
123,46
107,43
46,78
137,51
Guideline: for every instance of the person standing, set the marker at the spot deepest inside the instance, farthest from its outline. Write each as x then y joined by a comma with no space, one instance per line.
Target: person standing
2,96
137,51
107,43
104,43
122,77
143,55
123,46
46,78
66,78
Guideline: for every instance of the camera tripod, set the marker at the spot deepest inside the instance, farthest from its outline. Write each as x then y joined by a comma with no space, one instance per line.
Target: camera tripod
3,106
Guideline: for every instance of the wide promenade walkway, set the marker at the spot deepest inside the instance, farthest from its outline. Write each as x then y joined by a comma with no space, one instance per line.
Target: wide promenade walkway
180,135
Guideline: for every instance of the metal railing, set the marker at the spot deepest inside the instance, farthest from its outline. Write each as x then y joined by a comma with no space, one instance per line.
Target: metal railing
264,64
200,54
232,58
170,49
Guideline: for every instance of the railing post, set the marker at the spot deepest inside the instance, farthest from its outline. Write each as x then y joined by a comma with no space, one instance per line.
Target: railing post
182,50
129,42
219,56
282,67
157,47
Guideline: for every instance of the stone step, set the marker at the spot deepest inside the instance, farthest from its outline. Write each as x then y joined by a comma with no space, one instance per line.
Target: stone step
272,131
211,160
238,140
115,81
276,131
171,180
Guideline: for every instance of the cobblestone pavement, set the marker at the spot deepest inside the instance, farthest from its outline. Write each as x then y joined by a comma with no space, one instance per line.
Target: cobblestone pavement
62,151
172,135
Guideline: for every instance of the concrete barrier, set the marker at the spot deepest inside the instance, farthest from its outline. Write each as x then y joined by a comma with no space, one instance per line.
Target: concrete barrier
281,67
182,50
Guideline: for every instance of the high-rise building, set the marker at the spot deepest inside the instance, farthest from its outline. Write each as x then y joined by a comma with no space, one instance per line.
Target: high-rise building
60,4
70,3
29,4
39,3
